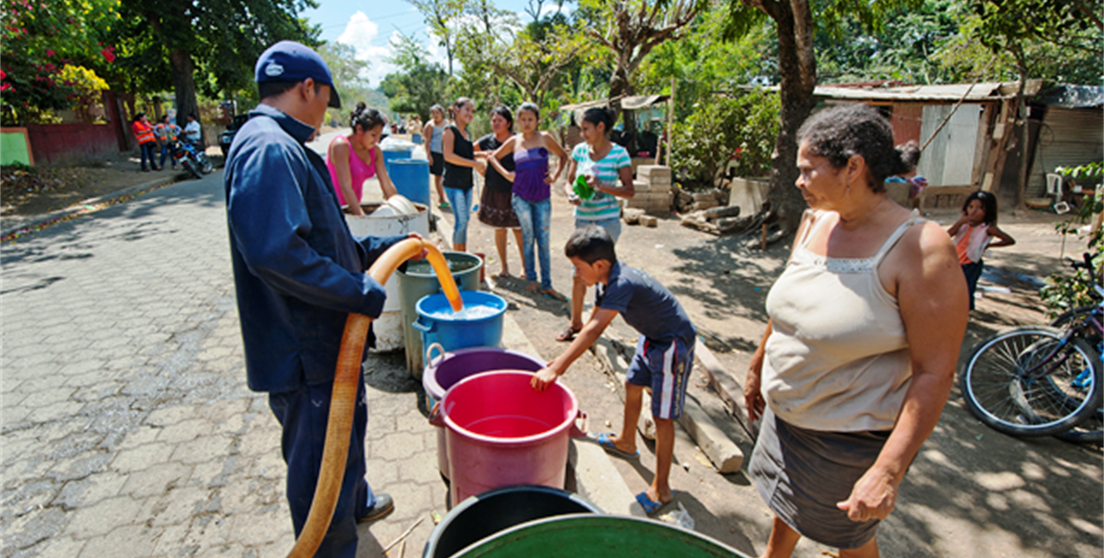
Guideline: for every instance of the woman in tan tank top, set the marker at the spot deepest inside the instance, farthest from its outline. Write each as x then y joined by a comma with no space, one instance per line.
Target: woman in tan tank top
859,357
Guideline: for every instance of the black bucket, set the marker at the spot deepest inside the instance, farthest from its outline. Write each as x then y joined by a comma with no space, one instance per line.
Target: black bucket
484,515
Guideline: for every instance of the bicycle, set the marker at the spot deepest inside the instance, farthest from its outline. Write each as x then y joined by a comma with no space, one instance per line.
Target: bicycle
1091,431
1040,380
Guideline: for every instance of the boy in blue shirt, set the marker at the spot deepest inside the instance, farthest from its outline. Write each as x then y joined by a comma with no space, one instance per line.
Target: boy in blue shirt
664,352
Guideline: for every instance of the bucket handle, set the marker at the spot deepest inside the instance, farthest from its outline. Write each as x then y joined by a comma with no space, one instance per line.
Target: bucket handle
429,353
418,325
576,431
435,416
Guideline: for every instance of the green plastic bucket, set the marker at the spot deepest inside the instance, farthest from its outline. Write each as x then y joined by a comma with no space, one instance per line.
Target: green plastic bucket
419,280
597,536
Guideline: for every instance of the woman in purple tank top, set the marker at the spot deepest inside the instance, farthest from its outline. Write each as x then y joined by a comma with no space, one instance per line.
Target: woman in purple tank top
532,192
354,158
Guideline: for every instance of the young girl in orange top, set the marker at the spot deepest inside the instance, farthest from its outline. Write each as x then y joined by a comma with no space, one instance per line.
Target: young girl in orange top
974,232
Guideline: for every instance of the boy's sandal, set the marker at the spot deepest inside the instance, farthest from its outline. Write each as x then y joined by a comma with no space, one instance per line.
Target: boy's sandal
554,295
567,334
605,440
651,507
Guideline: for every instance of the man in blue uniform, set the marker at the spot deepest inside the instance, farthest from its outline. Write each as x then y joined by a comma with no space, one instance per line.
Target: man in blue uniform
298,274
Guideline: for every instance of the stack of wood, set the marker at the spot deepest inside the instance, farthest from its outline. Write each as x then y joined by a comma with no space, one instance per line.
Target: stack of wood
709,199
718,220
684,201
653,190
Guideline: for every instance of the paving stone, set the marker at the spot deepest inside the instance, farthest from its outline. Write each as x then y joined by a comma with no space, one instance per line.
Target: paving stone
202,449
27,497
156,480
178,505
88,491
420,467
410,499
142,457
396,446
80,466
185,431
133,540
30,528
57,547
101,518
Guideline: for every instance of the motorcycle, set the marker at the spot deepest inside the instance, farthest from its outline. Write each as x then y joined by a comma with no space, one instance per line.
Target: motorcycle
191,159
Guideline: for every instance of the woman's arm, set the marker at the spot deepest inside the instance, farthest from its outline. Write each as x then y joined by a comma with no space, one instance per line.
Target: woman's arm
569,188
1003,238
384,179
447,142
339,154
625,190
494,158
561,156
753,392
934,327
427,137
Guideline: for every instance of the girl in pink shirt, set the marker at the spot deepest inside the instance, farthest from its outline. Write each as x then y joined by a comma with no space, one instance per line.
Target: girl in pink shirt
357,157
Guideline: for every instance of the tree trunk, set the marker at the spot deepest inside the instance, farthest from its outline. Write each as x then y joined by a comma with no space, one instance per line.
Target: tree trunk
797,65
620,87
1025,132
183,70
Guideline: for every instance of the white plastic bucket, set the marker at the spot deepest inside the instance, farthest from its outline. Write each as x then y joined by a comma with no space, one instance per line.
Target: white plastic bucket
388,327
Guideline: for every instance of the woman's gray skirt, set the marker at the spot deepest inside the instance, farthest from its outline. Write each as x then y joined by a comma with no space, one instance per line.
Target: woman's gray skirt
802,474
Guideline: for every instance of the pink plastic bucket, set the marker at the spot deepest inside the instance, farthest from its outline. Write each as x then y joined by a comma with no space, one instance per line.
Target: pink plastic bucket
450,368
502,432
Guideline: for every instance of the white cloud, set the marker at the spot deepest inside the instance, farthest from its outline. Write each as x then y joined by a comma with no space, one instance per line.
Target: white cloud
362,34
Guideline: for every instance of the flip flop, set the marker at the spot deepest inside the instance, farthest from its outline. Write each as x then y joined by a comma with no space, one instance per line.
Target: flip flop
605,440
651,507
567,334
554,295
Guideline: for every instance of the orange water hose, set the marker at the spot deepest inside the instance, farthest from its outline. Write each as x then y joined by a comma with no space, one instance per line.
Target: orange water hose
343,401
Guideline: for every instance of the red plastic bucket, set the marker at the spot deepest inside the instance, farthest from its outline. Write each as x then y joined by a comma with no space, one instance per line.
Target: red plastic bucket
502,432
449,368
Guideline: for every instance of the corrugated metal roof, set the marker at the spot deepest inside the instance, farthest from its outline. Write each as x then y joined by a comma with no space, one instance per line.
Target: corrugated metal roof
917,93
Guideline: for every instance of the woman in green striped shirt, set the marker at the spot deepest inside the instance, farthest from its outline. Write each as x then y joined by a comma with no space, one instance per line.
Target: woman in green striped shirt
604,164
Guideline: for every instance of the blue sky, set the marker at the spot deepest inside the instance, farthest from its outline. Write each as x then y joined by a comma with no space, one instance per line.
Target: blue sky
369,26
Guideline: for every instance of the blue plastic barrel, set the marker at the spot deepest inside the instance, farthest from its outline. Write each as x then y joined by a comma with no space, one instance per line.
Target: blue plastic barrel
416,138
479,324
411,178
396,152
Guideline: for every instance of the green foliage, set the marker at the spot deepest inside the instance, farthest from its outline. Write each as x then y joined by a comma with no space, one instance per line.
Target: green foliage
720,127
1067,289
41,37
419,85
86,85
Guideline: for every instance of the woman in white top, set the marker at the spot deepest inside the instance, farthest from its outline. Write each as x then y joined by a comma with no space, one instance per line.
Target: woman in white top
859,356
432,135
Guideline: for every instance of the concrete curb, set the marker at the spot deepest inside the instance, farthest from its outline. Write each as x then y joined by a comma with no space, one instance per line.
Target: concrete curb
80,209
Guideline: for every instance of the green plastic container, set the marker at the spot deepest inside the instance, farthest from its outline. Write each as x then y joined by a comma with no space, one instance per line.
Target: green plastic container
597,536
420,280
582,189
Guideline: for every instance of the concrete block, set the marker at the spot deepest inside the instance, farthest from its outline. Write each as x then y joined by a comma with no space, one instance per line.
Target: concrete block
632,216
598,480
654,173
725,455
649,221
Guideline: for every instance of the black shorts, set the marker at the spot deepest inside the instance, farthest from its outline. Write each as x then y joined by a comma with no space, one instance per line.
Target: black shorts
437,167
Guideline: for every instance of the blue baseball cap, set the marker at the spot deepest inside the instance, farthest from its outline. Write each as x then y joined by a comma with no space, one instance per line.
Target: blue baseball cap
291,61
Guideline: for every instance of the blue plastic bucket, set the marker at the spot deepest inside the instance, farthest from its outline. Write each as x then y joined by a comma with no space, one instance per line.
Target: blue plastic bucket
479,324
411,178
395,152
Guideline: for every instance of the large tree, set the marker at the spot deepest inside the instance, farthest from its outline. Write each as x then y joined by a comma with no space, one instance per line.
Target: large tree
631,29
796,23
441,16
213,42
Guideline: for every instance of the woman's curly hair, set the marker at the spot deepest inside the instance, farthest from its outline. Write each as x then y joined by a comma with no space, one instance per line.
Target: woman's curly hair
856,129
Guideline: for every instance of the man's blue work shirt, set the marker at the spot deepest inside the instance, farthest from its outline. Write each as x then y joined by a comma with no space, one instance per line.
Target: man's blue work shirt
298,270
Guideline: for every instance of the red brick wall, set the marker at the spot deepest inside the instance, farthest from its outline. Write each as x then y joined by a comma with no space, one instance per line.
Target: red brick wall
70,144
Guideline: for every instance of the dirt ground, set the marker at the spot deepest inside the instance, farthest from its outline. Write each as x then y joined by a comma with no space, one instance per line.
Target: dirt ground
971,491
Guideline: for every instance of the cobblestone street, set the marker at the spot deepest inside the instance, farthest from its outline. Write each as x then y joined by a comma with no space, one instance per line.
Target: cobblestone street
128,429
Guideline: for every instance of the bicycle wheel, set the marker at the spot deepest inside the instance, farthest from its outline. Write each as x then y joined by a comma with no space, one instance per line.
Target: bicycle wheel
1006,386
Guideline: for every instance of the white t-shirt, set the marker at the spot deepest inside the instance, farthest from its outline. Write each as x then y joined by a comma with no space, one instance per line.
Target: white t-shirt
191,131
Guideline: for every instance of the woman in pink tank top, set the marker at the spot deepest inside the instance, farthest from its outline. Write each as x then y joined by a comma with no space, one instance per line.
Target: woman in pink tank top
357,157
